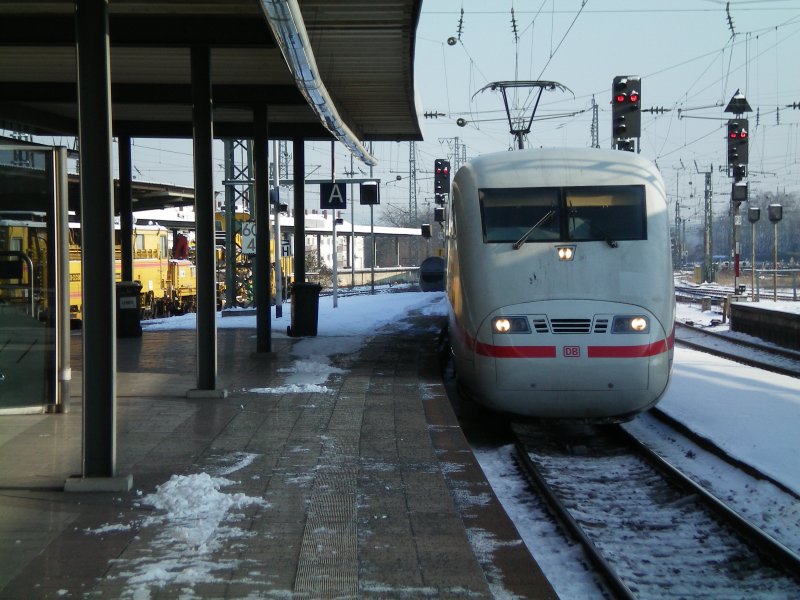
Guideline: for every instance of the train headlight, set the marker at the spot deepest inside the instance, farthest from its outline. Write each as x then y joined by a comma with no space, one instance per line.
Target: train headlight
510,325
565,252
631,324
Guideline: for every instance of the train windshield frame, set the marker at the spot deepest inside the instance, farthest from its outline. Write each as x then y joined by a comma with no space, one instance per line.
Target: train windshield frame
564,214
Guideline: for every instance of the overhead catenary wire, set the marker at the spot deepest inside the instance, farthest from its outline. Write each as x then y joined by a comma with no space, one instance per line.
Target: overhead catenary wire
705,81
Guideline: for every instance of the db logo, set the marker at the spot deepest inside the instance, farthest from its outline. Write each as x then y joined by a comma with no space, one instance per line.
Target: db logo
572,351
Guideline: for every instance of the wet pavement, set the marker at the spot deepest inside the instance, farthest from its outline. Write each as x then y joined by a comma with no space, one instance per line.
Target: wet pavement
363,487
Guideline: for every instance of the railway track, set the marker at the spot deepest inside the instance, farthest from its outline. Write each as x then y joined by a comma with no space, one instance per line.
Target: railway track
749,352
651,531
718,294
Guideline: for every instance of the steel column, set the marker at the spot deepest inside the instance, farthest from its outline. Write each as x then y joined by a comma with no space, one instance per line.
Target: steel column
97,223
61,255
125,206
260,207
203,137
299,211
230,224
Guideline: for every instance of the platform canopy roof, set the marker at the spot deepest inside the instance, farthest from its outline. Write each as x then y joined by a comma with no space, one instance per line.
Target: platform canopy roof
364,51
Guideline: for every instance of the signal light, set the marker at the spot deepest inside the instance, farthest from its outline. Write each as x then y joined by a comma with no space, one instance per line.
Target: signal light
441,176
738,139
626,115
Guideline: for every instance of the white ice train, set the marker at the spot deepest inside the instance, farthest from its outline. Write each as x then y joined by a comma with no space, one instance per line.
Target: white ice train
559,280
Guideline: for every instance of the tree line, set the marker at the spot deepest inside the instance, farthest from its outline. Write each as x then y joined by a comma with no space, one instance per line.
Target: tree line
788,232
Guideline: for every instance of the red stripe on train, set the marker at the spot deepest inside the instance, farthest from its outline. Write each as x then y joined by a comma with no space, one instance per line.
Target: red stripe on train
642,351
515,351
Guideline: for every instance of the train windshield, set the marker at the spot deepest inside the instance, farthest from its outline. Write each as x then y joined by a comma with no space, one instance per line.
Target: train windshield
509,214
606,213
587,213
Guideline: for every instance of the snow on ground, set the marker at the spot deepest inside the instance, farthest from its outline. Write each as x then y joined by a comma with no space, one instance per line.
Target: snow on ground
751,414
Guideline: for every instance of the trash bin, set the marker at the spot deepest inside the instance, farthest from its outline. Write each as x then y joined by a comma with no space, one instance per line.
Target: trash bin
305,309
129,306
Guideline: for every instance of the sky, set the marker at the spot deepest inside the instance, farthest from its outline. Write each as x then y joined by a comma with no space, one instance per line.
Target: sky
684,51
692,57
749,413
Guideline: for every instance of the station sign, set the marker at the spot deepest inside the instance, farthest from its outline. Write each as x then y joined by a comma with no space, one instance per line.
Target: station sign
332,196
249,237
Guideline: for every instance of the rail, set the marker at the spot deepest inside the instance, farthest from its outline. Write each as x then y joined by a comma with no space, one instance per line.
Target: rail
589,478
691,337
608,573
764,542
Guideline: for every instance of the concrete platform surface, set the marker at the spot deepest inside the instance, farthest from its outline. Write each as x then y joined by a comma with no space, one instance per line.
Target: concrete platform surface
363,487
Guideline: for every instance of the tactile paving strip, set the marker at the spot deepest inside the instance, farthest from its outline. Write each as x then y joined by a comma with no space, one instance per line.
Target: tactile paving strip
328,563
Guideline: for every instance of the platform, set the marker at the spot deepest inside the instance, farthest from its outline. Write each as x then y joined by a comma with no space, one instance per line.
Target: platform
366,488
778,323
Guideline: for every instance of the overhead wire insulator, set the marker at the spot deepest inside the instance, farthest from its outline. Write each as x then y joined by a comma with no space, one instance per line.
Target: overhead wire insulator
730,19
514,26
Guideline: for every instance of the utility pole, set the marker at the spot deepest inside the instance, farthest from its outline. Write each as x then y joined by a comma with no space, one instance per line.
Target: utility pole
350,174
372,236
707,273
412,191
595,130
459,152
284,159
677,253
412,182
333,228
238,185
708,269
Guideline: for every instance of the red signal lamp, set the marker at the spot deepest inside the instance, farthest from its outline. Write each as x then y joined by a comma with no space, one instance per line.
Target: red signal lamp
620,98
634,97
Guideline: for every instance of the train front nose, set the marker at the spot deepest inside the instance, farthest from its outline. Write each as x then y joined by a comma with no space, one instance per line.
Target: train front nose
567,357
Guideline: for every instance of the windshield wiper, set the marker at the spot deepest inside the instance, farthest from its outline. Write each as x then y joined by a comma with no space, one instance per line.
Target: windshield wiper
518,244
605,237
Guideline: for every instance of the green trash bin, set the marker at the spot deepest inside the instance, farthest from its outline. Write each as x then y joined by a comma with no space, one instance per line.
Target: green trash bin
305,309
129,304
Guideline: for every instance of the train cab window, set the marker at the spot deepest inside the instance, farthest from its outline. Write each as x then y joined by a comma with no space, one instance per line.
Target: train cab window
607,213
511,214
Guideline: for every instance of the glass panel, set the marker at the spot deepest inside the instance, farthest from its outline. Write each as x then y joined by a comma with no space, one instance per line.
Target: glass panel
27,352
608,213
508,214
